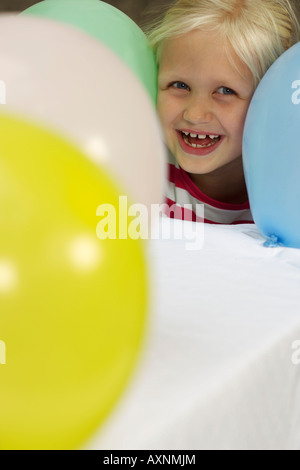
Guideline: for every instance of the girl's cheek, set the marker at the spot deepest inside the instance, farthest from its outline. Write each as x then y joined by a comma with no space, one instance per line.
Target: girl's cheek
162,110
160,102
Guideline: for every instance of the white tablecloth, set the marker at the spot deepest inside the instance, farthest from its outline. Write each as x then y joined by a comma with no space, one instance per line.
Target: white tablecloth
217,370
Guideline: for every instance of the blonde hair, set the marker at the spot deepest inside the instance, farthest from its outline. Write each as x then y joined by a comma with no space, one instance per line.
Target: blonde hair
258,31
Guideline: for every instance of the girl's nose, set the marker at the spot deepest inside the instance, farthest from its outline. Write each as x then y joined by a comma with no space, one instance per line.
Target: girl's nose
198,111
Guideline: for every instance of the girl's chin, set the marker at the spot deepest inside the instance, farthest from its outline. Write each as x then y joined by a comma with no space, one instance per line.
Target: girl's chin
189,165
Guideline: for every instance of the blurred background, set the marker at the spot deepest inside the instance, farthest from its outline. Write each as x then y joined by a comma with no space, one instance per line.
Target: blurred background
141,11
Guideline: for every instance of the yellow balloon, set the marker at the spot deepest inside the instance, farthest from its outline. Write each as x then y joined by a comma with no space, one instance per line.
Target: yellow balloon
73,307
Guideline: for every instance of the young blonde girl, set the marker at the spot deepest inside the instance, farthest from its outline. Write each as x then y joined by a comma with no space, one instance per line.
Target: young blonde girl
211,56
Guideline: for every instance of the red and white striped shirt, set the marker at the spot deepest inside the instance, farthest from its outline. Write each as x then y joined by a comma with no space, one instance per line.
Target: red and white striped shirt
186,201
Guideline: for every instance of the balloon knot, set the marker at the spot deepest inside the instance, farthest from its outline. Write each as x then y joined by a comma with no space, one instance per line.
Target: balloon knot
272,242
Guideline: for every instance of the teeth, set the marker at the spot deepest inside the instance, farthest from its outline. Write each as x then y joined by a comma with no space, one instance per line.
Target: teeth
200,136
214,139
199,146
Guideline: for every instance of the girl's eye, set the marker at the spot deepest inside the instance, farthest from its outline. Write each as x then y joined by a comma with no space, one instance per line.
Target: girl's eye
223,90
180,85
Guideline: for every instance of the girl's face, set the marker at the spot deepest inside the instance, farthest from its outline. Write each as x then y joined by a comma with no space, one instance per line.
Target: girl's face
202,102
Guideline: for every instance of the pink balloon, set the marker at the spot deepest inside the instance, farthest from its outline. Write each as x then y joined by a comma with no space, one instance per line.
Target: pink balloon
61,77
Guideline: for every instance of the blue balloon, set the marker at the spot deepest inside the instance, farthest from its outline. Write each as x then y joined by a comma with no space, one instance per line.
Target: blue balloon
271,151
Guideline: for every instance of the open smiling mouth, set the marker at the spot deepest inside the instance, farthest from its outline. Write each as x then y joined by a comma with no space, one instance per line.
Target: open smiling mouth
199,141
199,145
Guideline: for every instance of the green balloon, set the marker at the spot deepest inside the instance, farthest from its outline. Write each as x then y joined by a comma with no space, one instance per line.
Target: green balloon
112,27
